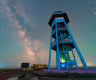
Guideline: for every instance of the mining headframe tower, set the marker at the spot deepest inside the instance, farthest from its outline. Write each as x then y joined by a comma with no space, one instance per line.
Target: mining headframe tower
63,42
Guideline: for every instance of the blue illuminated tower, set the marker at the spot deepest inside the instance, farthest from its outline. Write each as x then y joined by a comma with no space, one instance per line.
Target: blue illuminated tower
63,42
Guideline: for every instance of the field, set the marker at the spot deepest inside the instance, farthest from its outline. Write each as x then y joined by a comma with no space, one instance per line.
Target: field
30,74
90,67
7,69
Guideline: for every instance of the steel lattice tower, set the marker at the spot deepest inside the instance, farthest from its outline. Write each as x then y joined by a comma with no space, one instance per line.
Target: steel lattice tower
63,42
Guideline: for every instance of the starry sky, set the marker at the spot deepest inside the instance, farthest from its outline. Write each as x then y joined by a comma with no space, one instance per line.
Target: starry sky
25,33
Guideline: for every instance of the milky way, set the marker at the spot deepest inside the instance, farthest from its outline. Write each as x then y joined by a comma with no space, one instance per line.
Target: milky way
25,33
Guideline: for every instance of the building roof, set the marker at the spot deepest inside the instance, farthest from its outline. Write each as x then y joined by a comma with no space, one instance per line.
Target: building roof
58,14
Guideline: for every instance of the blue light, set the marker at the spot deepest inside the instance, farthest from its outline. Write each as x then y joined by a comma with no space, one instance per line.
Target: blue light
63,66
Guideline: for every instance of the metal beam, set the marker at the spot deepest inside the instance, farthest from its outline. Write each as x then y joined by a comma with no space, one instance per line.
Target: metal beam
50,50
77,49
74,59
57,46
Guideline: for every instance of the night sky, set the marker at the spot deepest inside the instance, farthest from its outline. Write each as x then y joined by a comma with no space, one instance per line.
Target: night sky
25,33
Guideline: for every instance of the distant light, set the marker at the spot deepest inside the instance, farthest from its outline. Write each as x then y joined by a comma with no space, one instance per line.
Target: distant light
95,13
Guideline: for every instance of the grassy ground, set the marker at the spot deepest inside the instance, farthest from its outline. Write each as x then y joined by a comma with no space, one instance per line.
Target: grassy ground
79,67
6,69
1,70
72,77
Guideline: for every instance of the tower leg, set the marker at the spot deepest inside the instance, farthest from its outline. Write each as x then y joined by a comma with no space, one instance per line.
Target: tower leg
56,62
57,50
77,49
74,59
50,51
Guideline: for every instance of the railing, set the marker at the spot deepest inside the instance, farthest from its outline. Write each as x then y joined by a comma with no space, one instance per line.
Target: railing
63,27
58,28
67,40
53,43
